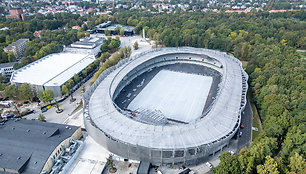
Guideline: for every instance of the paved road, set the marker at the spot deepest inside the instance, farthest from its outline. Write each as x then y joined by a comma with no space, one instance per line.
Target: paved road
246,120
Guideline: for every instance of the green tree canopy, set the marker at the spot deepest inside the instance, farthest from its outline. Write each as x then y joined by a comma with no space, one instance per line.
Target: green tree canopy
46,95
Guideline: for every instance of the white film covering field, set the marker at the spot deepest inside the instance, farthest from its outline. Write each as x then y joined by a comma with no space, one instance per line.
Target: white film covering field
179,96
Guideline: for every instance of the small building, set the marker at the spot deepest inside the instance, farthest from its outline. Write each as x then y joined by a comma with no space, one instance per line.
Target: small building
52,71
29,146
6,70
15,13
114,29
89,45
76,27
37,33
17,47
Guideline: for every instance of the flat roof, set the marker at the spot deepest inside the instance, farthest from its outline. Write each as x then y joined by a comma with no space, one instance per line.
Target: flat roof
19,41
9,64
88,43
54,69
27,144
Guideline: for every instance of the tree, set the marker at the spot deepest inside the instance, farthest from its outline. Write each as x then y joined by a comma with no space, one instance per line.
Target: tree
121,32
10,91
25,92
71,85
229,164
76,78
41,117
1,78
46,95
136,46
84,73
104,56
269,167
107,32
57,105
65,90
110,163
104,47
115,43
297,163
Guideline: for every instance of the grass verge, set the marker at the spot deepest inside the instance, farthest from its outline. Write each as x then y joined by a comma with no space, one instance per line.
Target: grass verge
80,106
256,121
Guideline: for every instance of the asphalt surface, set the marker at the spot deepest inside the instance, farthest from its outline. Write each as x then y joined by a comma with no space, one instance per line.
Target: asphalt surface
246,121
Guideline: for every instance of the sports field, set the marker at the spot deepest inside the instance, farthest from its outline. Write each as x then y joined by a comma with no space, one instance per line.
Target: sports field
179,96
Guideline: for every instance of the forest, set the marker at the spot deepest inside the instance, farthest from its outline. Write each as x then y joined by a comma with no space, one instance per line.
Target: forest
52,39
269,44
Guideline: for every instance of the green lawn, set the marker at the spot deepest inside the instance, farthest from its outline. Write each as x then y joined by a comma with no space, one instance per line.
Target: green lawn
256,120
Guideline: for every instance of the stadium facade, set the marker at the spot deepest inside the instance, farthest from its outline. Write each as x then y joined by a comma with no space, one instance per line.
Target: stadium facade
148,135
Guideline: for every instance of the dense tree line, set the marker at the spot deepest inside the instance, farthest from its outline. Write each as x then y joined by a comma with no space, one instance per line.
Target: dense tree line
108,61
277,75
54,36
22,92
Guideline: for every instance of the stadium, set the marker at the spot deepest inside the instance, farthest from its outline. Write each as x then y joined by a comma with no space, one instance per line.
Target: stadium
168,106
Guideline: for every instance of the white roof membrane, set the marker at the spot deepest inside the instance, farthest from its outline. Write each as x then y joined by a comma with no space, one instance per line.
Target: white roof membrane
54,69
178,96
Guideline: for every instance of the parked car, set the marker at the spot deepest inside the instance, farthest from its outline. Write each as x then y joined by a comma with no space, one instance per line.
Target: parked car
241,126
231,152
209,164
240,134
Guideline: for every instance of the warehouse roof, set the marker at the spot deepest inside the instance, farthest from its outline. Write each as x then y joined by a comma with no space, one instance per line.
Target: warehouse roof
26,144
88,43
52,70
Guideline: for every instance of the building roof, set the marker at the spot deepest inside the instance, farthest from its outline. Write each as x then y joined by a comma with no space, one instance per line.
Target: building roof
26,144
88,43
18,42
5,65
52,70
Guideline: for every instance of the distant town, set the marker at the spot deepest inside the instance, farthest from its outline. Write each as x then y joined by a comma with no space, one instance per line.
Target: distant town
84,7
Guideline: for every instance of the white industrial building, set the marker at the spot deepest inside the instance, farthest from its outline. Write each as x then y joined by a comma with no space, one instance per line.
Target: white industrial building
52,71
89,45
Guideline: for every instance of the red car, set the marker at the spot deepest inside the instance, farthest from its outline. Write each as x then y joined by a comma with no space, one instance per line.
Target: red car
241,126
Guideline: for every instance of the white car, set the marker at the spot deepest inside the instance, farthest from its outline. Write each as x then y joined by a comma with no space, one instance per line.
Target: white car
209,164
231,152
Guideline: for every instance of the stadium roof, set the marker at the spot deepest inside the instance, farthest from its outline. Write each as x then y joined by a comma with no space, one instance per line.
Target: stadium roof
52,70
221,121
26,144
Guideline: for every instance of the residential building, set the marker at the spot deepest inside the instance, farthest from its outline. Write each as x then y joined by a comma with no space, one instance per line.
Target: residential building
17,47
6,70
16,13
